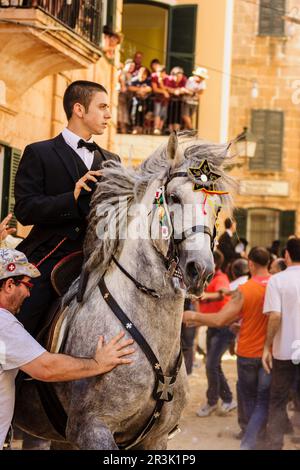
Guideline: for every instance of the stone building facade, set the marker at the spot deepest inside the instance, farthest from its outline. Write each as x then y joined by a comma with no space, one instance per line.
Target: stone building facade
44,47
265,54
252,56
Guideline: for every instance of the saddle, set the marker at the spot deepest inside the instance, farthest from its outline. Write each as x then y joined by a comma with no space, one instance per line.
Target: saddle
63,274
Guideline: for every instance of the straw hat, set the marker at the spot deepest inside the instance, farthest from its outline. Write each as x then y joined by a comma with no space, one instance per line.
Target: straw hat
201,72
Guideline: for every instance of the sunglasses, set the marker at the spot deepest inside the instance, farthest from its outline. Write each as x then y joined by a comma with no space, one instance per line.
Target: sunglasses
29,285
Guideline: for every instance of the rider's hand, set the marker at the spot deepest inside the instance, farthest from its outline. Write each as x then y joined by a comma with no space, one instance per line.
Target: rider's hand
81,183
4,229
112,354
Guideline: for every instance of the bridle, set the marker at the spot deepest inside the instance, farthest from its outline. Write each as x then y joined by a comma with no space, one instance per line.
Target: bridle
171,260
178,238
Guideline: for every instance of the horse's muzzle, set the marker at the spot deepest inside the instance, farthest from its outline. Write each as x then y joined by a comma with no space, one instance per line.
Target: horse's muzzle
197,276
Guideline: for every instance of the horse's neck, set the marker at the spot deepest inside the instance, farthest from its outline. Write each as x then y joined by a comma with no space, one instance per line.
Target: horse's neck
159,319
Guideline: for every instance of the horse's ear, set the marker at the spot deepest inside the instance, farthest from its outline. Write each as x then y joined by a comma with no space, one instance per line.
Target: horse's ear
172,148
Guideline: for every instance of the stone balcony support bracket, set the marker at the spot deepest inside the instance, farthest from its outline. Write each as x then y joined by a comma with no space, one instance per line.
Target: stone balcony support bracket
33,45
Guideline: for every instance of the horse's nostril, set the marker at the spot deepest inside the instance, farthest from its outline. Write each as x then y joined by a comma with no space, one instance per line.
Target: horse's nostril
191,270
209,278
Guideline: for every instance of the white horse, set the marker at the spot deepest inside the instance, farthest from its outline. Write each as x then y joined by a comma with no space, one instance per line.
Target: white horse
166,253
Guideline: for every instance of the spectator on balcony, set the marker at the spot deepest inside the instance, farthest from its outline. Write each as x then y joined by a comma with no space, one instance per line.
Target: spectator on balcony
137,59
161,98
154,66
176,87
125,96
111,40
194,86
141,87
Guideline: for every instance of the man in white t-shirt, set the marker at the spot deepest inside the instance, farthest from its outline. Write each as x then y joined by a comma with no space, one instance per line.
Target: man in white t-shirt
19,350
282,345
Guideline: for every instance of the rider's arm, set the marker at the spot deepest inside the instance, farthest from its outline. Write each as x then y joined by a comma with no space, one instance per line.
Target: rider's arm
33,206
61,367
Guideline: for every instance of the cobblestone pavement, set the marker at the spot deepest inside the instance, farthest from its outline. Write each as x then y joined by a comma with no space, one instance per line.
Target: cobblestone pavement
215,432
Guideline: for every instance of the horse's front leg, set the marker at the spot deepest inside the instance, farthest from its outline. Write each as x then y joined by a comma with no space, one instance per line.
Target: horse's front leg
89,433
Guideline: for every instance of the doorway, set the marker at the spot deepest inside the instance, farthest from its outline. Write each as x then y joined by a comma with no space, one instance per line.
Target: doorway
145,29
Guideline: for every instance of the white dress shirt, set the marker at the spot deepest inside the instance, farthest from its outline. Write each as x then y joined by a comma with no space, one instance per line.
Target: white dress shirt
72,139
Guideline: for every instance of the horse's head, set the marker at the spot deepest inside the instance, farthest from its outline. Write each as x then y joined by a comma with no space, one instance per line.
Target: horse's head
180,189
186,208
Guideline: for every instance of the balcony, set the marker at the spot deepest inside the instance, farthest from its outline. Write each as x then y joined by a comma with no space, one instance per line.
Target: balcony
83,17
40,38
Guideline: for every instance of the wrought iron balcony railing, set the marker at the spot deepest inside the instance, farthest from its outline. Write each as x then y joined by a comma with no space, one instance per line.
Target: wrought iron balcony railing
83,16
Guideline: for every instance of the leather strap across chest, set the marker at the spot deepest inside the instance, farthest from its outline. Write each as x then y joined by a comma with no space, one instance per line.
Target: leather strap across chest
163,389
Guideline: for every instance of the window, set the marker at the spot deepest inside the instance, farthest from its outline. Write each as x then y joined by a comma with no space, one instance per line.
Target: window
263,227
287,225
181,40
9,161
268,128
270,17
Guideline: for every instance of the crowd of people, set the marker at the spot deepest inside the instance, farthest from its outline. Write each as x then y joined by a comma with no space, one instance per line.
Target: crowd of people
153,101
253,301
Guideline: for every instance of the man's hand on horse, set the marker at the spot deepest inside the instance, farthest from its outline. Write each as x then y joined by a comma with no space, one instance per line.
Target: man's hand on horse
81,183
112,354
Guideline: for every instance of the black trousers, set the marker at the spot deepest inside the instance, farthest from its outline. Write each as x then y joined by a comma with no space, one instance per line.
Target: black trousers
35,308
284,374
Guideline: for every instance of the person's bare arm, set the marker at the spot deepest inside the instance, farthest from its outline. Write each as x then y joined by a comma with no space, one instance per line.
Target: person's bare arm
227,315
160,90
213,296
61,367
273,326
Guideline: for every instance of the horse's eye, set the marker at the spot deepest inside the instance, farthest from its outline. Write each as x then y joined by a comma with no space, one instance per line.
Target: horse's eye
174,198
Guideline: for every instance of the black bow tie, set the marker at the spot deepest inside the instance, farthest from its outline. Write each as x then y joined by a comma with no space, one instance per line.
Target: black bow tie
91,146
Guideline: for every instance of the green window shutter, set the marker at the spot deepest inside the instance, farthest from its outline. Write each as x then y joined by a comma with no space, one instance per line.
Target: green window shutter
268,127
111,14
181,38
14,163
5,182
240,216
258,128
12,158
270,17
287,225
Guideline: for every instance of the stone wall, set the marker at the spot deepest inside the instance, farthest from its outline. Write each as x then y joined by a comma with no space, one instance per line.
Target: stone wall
275,63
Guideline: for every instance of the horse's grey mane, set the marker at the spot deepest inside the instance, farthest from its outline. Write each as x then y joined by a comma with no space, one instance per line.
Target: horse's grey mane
129,185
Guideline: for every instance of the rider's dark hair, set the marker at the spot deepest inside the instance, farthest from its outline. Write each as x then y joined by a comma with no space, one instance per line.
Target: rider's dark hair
81,92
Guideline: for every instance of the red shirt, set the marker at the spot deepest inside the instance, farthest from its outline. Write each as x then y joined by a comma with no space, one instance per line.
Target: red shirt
219,281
